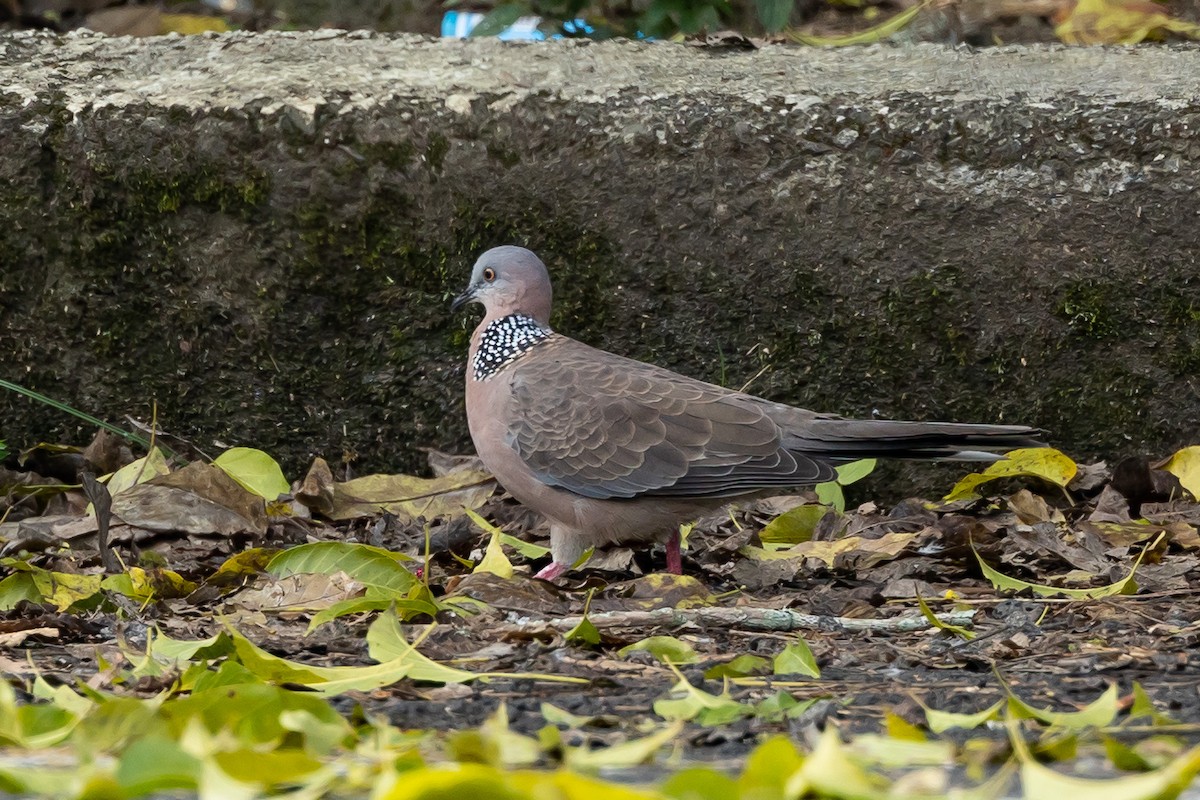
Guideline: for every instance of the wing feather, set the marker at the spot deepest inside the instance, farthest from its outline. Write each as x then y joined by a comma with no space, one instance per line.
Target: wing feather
604,426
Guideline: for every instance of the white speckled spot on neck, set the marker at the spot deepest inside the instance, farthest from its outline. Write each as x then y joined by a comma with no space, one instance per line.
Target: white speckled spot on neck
505,340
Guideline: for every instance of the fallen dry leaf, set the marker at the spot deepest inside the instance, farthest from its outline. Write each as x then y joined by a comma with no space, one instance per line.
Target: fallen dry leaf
405,496
199,499
17,638
299,592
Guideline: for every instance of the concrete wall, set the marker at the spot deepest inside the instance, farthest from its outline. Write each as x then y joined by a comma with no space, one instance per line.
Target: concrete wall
262,232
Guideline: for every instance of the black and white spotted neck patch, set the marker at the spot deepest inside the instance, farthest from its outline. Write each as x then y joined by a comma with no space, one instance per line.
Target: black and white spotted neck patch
505,340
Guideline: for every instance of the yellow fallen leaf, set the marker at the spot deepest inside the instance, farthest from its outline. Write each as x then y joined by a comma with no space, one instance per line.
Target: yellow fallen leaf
871,35
1045,463
942,721
628,753
830,772
1097,714
63,589
1119,22
494,560
1185,465
1038,780
191,23
524,548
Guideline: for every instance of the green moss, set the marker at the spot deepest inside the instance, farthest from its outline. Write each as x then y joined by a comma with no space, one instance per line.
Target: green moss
149,194
396,156
435,151
1092,309
169,201
507,157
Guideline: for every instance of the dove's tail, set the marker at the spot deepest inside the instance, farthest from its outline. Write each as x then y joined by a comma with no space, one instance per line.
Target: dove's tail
848,439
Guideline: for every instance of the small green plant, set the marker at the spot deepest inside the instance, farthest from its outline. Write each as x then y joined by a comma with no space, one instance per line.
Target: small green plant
3,450
831,494
99,423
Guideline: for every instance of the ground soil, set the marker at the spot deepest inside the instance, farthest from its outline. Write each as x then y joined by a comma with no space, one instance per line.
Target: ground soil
1052,652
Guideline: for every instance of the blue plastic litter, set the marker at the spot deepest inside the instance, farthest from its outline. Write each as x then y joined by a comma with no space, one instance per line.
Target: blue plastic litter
459,24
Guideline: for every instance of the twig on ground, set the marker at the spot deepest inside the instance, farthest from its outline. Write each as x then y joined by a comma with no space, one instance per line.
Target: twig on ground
756,619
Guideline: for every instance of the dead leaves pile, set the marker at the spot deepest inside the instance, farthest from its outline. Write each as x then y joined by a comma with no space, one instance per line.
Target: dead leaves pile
183,595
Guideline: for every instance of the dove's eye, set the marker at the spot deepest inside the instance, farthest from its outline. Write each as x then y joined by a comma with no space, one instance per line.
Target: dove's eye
489,274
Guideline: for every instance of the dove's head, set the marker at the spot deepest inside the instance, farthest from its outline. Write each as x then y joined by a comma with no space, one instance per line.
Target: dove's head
509,280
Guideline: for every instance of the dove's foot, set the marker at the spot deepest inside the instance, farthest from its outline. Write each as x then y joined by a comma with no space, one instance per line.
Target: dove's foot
552,570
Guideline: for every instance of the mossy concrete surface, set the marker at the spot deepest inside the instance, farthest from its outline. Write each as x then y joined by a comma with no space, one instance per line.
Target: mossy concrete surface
261,233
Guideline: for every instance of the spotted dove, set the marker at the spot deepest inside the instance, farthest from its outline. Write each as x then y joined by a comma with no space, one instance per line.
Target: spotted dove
614,450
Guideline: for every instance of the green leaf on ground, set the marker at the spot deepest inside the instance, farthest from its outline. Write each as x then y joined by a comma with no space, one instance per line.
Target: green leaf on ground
33,726
797,659
386,643
255,471
794,526
781,706
957,630
855,471
768,768
584,633
499,18
1124,586
629,753
383,638
156,767
1038,780
373,567
17,587
942,721
666,649
829,771
494,743
526,549
62,589
147,586
1097,714
1143,707
871,35
686,702
740,667
700,783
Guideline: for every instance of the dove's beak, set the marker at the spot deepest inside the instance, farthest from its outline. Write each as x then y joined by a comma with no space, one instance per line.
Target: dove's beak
463,299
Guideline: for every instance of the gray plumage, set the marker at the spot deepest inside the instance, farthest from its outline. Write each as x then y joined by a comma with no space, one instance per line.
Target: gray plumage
614,450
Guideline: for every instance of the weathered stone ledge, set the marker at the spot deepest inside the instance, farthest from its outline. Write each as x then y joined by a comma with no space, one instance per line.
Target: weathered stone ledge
261,231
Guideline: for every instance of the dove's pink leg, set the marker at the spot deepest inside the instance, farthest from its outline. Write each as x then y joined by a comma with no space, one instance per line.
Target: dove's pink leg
674,557
552,570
